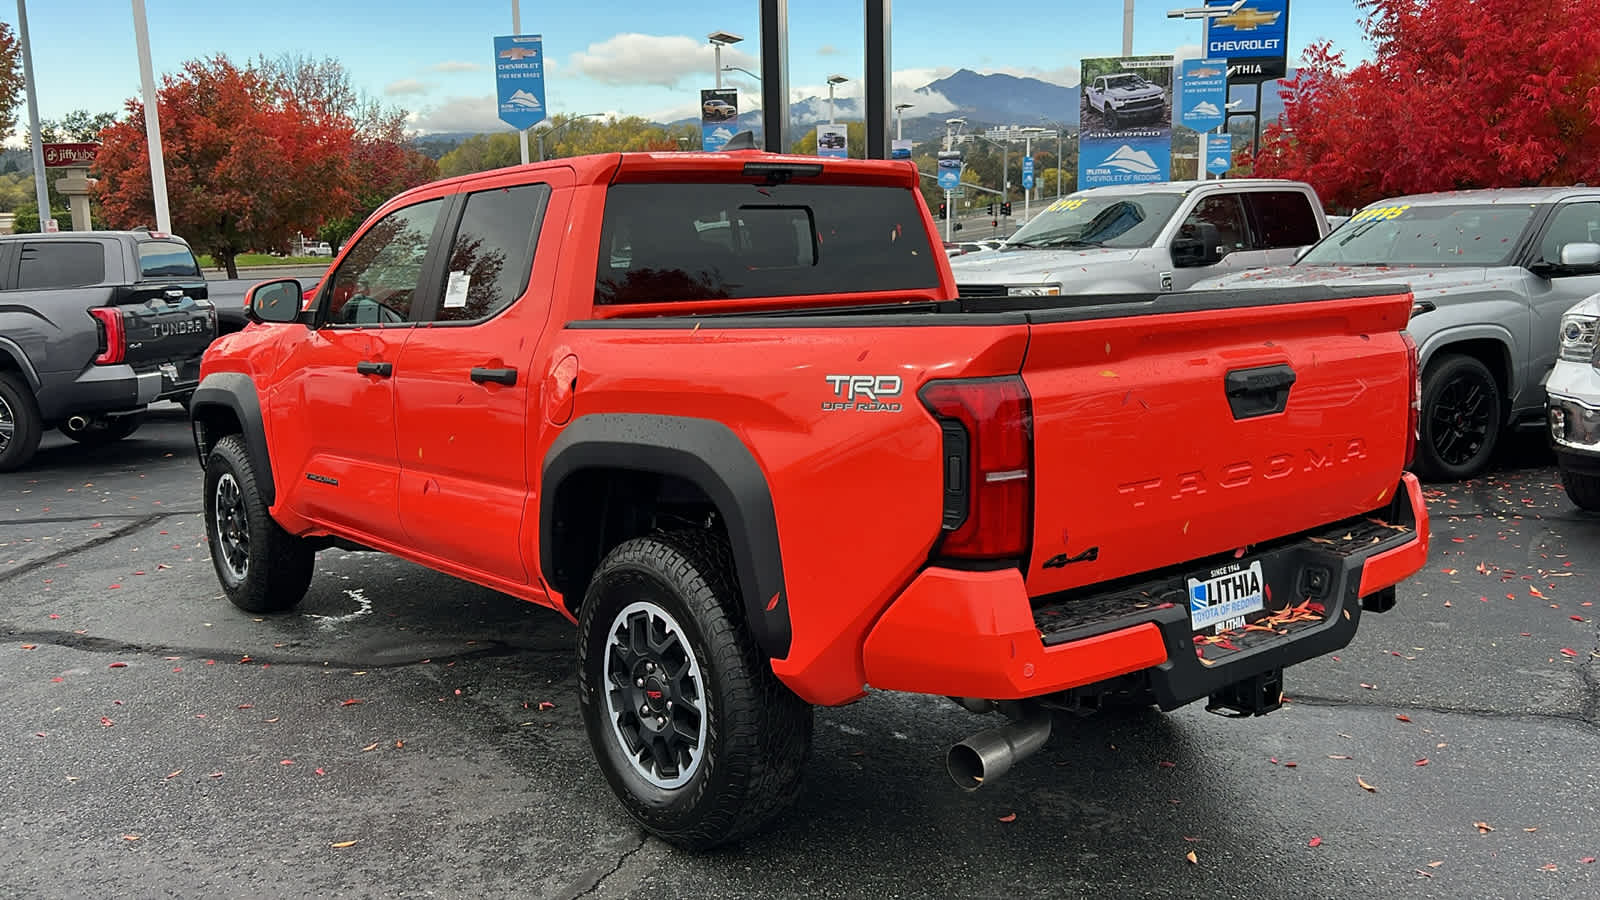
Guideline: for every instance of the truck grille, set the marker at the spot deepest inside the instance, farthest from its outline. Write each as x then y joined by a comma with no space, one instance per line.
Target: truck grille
981,291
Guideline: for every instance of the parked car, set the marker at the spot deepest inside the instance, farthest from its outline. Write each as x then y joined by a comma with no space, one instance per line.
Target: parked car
94,327
316,248
1573,388
669,439
1148,238
1126,98
1493,271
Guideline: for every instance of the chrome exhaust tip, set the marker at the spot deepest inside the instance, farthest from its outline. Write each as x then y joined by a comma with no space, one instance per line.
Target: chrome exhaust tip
988,755
77,423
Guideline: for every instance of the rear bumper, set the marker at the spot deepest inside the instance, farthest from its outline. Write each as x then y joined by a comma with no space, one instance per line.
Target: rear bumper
978,634
113,389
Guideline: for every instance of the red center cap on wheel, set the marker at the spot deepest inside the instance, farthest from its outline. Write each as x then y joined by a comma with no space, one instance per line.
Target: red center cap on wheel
653,695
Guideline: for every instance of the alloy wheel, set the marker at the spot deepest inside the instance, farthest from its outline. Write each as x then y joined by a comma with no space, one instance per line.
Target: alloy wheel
1461,419
8,425
233,526
655,695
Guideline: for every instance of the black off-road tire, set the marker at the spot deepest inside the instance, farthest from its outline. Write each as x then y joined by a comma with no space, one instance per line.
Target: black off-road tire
1454,447
22,414
757,734
104,431
276,566
1584,490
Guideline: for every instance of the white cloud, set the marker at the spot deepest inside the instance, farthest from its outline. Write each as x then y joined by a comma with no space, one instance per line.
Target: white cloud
475,113
405,86
827,50
455,65
657,59
907,84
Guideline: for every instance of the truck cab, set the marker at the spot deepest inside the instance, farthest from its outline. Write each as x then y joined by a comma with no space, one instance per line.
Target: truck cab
1148,238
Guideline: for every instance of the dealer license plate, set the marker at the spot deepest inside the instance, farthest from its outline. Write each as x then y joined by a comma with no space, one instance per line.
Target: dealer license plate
1223,599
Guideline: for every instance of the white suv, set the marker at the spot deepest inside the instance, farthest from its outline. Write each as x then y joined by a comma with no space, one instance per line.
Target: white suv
1573,387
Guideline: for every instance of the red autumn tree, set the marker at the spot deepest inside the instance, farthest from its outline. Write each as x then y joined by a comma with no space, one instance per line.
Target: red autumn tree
247,166
1459,94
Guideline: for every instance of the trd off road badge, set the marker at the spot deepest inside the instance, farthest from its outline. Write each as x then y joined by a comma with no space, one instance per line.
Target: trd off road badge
864,393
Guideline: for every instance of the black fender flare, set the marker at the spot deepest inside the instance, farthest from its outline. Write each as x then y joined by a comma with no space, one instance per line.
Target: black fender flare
236,393
711,456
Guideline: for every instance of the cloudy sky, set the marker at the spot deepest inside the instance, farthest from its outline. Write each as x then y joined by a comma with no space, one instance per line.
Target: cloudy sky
628,57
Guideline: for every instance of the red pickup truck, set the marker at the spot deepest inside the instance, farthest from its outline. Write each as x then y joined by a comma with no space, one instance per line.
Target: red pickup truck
726,413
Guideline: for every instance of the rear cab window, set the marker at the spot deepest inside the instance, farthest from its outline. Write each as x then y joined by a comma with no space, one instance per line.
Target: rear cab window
58,263
166,259
675,242
1284,219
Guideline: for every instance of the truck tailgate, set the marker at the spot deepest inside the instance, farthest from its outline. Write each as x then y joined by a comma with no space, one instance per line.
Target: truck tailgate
170,322
1167,436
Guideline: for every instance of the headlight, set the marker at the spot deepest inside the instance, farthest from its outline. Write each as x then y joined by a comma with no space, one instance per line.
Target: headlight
1036,290
1578,337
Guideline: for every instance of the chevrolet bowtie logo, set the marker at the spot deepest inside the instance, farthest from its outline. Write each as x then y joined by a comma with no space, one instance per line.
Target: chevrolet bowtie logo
1248,18
524,52
1204,72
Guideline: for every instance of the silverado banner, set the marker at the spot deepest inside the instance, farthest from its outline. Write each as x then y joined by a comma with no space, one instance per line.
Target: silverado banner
1125,121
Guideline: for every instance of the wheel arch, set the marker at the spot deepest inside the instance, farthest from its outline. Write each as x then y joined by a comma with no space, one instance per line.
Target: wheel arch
227,403
1489,344
702,453
13,357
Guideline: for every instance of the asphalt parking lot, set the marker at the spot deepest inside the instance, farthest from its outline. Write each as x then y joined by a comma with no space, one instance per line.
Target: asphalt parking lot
407,735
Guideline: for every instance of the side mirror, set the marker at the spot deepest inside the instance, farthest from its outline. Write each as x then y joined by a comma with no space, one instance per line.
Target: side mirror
274,301
1203,248
1580,255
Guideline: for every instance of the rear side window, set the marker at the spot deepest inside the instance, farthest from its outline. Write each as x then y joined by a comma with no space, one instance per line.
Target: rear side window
167,259
1285,219
492,255
60,264
675,242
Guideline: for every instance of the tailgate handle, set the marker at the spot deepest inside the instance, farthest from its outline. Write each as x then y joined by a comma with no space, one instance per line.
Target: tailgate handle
498,376
1261,391
380,369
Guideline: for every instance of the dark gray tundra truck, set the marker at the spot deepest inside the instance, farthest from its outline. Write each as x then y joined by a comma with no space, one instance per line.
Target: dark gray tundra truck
94,327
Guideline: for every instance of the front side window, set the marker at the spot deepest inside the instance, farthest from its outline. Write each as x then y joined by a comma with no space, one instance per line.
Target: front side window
1223,211
1389,234
492,254
60,264
1573,223
377,282
676,242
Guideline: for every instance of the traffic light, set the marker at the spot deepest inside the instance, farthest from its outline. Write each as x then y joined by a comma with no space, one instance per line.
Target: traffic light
944,212
991,210
1005,208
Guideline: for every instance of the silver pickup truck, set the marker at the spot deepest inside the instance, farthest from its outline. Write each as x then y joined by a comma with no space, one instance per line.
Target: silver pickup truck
1145,238
1492,272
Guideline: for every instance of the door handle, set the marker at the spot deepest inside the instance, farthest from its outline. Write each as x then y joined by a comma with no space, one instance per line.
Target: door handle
380,369
1262,391
498,376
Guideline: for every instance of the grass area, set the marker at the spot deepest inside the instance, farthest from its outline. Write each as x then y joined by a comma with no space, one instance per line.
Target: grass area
247,260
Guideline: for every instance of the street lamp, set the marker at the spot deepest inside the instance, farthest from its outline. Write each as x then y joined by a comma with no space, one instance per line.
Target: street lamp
900,119
720,39
956,123
556,128
832,81
744,70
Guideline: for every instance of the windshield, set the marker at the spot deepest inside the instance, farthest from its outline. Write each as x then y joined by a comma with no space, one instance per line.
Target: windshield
1125,82
1103,220
1412,235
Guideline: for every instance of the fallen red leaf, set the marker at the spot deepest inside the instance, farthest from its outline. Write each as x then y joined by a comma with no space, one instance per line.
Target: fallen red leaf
1402,717
1166,765
1587,860
1009,817
106,723
1568,651
1314,842
1423,761
320,772
285,762
247,706
118,665
546,704
351,702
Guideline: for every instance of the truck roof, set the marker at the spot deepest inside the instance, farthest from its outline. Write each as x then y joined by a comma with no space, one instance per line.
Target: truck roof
1184,187
1516,195
79,235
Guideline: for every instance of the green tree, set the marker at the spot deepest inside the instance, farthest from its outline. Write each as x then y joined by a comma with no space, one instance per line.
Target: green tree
76,127
480,153
27,218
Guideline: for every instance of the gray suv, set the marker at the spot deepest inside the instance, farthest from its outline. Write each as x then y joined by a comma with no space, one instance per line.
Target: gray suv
1492,272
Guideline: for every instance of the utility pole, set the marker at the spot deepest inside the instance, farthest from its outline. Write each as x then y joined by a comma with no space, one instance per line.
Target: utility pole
1027,192
152,119
1127,27
41,189
516,28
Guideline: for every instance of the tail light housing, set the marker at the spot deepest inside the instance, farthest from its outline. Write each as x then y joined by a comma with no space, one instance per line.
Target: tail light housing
1414,414
113,338
987,437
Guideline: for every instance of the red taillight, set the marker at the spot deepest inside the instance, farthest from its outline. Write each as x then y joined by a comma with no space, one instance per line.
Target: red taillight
987,424
1414,416
113,340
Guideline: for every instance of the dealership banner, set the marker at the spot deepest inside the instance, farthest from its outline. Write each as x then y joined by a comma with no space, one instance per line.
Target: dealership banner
833,140
719,117
900,148
1125,121
1254,39
1204,89
1219,153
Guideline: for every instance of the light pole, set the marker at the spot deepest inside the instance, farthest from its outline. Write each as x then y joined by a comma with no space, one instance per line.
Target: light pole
516,28
744,70
556,128
41,187
152,122
1027,150
1206,14
900,119
955,124
720,39
832,81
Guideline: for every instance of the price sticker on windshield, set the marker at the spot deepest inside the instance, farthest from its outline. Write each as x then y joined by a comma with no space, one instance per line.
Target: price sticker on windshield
1066,203
1375,213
